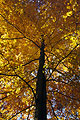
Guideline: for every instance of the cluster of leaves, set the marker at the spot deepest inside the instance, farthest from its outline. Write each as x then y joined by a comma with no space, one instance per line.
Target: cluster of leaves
22,22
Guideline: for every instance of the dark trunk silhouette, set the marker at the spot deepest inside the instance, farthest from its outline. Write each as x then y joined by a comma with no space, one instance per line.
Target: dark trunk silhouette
40,112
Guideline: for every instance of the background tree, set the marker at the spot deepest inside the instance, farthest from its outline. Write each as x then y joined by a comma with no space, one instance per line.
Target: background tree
39,40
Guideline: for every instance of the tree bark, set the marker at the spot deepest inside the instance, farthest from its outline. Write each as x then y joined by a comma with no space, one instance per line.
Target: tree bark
40,112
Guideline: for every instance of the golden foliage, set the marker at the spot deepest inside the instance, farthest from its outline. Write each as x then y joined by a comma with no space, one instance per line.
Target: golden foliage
22,22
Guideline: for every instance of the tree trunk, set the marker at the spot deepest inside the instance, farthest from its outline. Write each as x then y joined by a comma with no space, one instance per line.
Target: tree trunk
40,112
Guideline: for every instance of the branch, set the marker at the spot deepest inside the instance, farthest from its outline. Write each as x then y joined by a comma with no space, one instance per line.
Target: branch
52,109
69,68
30,61
3,98
63,59
27,63
63,74
22,80
66,56
60,72
4,57
7,74
57,42
68,96
28,85
19,30
20,112
59,81
65,95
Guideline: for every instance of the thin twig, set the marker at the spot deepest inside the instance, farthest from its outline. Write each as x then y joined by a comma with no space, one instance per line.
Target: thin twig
20,112
19,30
22,80
52,109
3,98
63,59
65,95
30,61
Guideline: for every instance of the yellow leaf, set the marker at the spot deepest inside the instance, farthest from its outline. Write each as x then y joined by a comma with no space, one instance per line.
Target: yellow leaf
69,13
24,100
18,90
68,7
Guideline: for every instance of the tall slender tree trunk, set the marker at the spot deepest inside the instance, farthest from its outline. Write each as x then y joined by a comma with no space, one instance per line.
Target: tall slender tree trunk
40,112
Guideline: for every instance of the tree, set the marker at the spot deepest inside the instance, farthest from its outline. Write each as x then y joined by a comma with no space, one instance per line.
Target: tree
39,59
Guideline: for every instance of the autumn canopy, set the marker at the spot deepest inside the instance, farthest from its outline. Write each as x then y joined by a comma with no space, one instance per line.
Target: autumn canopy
39,60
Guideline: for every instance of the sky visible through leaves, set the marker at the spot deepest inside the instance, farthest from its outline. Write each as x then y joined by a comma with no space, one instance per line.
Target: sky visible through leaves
22,25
